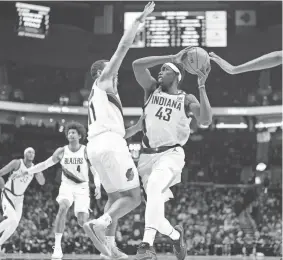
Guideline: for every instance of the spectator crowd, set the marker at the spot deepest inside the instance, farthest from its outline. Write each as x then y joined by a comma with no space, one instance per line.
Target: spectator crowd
207,213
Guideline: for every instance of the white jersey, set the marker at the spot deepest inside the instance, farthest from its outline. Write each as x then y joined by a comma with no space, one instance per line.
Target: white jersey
105,113
18,186
75,166
166,122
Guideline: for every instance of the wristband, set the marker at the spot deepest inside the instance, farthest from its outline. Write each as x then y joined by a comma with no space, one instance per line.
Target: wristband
201,86
172,58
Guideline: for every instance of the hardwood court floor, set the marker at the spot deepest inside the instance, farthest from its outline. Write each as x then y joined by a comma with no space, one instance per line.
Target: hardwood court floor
160,257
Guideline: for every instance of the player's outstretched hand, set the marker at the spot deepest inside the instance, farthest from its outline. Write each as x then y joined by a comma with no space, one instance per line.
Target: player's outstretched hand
223,64
203,74
181,56
97,193
146,12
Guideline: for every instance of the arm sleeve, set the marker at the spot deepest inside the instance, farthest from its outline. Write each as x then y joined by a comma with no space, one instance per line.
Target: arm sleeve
42,166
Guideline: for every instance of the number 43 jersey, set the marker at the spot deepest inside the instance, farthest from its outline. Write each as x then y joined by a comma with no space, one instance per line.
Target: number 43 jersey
74,166
166,122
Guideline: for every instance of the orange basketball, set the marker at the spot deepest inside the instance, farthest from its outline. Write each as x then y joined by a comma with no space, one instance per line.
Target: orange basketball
197,58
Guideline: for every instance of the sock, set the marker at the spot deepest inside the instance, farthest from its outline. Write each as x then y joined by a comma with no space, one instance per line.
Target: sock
58,237
149,236
111,240
106,219
167,229
175,235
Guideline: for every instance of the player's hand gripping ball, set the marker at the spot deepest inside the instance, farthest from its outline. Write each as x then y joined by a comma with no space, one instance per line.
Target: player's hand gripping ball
2,183
195,59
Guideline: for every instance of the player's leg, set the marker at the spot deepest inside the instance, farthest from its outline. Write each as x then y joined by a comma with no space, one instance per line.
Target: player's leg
111,231
65,200
82,203
166,172
118,174
12,213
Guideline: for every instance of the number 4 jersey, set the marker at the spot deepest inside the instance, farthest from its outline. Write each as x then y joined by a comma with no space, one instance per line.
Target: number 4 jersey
166,122
74,166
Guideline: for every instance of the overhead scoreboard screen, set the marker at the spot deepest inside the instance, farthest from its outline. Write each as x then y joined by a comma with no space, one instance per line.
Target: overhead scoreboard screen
180,29
33,20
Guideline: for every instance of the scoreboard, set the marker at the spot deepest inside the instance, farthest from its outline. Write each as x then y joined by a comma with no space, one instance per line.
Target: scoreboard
180,29
33,20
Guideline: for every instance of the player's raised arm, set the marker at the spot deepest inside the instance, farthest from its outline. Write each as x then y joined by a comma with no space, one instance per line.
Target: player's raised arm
40,178
113,66
201,110
266,61
142,73
11,166
52,160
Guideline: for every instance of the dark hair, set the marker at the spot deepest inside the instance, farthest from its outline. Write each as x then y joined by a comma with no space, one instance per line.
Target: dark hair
98,65
76,126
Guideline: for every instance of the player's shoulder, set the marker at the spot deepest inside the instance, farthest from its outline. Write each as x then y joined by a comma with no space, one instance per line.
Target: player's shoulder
59,151
16,164
104,84
190,98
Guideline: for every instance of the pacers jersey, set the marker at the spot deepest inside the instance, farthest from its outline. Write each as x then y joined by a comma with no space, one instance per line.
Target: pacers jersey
18,186
105,113
166,122
75,166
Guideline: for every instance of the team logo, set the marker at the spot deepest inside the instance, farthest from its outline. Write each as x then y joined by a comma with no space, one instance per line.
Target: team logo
130,174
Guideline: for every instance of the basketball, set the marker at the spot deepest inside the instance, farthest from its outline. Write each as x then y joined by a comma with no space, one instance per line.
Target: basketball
2,183
196,59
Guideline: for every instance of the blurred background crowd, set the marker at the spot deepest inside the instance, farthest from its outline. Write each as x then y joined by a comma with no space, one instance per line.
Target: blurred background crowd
230,199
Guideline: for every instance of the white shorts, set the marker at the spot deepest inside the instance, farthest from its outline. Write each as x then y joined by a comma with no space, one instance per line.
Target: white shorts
75,193
110,156
166,167
12,205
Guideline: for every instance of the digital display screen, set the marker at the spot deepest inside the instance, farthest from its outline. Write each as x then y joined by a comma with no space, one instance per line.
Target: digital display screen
33,20
180,29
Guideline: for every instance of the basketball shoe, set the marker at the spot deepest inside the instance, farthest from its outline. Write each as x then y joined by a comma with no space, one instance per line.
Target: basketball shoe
145,252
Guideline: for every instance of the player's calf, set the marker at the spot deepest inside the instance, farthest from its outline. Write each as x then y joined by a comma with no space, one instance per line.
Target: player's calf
82,218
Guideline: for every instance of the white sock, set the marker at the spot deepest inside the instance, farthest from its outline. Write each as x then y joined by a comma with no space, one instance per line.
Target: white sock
106,219
111,240
175,235
166,229
149,236
58,237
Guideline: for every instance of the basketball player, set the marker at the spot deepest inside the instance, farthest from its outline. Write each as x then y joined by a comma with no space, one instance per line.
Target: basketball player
13,193
107,148
168,112
75,180
266,61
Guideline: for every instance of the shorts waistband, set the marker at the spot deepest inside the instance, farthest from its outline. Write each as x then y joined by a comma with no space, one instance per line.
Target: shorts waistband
160,149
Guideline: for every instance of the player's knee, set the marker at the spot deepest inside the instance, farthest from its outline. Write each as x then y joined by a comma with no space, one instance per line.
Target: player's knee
81,222
13,220
82,218
153,187
136,197
63,208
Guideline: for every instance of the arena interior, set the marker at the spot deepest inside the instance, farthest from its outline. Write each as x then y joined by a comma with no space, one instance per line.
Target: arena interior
230,198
